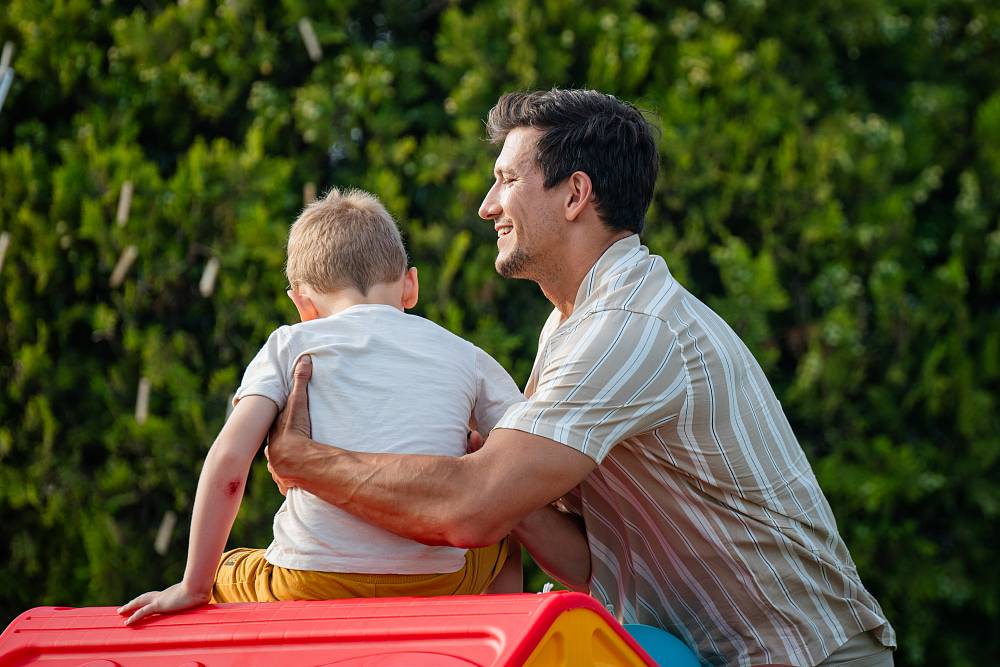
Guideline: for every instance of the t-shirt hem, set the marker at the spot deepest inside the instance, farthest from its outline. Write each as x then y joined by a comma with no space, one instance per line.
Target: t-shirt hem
366,565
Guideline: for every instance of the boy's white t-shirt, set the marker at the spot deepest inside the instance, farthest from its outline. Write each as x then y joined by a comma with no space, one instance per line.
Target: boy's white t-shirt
382,381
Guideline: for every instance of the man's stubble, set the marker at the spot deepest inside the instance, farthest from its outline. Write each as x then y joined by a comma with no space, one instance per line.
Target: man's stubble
534,263
514,264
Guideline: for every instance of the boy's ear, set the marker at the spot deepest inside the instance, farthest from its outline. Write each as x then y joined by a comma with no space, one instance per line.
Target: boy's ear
303,304
411,288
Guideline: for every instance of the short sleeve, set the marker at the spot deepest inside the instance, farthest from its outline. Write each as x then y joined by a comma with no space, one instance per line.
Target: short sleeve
268,373
496,392
613,375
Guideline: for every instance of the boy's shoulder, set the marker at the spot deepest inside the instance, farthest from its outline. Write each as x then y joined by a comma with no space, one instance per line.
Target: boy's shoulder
372,320
432,327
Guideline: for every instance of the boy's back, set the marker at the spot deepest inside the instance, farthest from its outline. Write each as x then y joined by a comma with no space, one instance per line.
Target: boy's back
384,381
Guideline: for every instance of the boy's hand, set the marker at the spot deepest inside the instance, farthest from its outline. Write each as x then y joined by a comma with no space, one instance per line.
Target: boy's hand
176,598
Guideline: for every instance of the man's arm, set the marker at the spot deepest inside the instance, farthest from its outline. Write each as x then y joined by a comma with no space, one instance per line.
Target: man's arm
465,501
220,490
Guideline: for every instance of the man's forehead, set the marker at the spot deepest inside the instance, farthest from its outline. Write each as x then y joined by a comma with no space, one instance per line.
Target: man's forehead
518,150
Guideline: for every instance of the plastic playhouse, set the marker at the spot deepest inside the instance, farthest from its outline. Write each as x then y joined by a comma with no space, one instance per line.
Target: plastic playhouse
555,629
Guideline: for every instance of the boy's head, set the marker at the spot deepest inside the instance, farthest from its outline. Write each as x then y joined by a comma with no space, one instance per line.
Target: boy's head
346,240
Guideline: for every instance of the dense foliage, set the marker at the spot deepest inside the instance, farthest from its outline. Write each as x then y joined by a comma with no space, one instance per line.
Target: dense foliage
828,185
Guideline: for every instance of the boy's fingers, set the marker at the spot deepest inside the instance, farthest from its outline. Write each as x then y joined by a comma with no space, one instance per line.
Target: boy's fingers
137,602
151,607
141,614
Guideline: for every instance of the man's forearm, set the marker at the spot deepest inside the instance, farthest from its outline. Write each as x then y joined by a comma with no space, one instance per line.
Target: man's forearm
557,541
465,501
430,499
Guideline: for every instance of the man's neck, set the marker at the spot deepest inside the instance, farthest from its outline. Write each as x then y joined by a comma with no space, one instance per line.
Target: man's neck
562,287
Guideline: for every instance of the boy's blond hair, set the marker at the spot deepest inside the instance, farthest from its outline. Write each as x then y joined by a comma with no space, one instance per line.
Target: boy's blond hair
344,240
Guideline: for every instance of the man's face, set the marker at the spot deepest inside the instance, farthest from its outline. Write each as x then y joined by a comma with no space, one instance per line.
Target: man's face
525,214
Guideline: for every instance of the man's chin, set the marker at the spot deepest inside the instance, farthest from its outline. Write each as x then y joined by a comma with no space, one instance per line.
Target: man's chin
510,266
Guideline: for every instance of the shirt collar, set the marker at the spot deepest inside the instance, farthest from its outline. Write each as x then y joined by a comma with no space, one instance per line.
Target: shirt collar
620,255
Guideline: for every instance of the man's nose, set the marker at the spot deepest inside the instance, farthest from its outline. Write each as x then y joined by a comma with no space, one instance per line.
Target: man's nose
490,208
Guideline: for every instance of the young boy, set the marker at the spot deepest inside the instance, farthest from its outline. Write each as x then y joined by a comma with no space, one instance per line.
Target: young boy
383,381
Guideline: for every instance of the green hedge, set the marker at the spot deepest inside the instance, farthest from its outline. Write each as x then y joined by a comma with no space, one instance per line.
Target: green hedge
828,185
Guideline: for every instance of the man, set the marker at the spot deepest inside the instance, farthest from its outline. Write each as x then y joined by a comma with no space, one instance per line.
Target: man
645,415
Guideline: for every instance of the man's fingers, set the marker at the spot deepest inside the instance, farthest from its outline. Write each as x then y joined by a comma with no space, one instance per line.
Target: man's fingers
292,423
282,487
297,409
474,443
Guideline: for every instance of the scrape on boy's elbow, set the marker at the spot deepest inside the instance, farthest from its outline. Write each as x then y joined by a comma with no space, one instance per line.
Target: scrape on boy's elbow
232,487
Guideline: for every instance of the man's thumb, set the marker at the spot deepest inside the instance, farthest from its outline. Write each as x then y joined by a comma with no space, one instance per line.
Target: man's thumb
303,369
298,400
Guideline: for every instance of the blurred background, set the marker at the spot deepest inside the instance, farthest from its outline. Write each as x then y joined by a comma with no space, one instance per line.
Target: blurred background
828,184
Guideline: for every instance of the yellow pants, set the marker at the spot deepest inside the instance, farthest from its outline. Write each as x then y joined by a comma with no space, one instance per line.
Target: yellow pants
245,576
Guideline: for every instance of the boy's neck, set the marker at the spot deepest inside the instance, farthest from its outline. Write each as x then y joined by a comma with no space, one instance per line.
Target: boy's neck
332,303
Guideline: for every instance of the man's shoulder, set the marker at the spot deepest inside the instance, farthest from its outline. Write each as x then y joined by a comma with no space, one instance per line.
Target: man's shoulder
638,292
640,303
645,287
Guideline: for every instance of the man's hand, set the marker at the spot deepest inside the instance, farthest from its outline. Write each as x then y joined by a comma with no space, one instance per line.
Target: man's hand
291,429
474,442
176,598
464,501
283,485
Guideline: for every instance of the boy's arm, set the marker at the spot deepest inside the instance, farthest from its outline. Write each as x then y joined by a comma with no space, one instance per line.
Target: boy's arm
220,490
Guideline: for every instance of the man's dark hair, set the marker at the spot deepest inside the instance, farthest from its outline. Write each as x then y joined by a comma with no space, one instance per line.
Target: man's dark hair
598,134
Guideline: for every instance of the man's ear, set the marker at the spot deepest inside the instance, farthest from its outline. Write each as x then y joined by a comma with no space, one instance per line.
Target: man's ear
307,309
411,288
580,194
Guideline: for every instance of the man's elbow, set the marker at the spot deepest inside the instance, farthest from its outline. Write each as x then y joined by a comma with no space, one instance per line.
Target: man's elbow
475,528
472,537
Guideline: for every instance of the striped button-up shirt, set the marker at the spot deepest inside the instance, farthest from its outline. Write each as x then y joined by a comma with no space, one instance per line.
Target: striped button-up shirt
703,515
